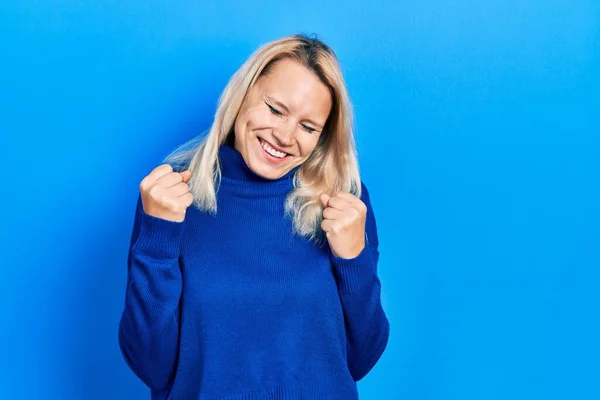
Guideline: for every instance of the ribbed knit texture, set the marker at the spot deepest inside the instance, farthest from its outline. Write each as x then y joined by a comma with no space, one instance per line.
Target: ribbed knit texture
236,307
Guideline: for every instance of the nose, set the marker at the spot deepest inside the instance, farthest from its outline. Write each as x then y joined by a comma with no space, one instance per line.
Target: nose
285,135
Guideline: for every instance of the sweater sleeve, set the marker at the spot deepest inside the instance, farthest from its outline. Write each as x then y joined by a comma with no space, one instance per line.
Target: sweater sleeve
149,324
359,288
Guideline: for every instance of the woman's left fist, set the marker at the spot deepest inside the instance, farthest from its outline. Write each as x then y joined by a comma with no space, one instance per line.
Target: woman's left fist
344,217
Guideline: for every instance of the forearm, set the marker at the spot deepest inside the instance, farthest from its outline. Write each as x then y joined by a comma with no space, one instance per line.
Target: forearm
367,327
149,324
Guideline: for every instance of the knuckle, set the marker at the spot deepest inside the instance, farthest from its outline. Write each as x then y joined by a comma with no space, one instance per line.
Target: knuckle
171,205
153,191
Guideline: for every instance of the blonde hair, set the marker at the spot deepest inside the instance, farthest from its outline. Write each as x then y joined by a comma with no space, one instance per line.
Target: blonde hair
331,167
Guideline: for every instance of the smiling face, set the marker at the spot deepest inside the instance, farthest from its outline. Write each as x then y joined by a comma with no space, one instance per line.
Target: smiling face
281,119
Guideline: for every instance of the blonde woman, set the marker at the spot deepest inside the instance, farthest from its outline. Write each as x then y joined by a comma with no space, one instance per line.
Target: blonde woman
252,269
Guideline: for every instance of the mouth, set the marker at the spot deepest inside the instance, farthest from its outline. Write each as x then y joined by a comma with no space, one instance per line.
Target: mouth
272,154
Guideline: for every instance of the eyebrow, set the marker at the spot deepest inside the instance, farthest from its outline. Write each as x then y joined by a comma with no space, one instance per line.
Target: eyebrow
287,110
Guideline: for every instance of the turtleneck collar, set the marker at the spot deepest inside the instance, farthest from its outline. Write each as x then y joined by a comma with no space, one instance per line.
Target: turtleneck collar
234,168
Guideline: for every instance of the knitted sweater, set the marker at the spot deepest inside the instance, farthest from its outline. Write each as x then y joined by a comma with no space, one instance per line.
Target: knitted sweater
236,307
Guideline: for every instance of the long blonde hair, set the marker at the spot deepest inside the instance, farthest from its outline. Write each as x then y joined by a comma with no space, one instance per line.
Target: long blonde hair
331,167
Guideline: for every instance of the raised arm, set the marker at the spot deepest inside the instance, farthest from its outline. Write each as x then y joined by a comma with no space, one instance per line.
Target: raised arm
359,288
149,324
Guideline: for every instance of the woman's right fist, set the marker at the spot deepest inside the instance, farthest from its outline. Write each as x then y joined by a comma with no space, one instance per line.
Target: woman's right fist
165,193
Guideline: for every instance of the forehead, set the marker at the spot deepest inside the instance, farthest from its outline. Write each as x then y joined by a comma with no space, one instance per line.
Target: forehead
297,87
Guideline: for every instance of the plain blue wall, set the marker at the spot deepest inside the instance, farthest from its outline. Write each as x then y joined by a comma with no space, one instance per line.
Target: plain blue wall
478,132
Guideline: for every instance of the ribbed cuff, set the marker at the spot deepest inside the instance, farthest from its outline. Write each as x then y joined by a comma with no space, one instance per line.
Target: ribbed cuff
355,273
159,238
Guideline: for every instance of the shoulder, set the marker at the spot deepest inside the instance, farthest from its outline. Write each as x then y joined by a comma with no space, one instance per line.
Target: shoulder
364,194
371,224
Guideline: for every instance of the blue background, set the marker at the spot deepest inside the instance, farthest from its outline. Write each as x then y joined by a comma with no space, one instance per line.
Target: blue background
478,133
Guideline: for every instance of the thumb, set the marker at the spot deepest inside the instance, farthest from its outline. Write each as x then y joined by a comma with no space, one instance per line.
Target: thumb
187,174
324,197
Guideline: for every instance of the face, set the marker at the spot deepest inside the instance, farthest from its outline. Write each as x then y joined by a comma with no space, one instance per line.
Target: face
282,118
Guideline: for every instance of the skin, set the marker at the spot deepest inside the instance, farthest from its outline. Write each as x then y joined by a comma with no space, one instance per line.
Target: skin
344,219
306,98
165,193
294,127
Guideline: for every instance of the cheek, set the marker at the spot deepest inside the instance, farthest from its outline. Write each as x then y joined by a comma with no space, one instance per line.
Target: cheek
307,144
257,118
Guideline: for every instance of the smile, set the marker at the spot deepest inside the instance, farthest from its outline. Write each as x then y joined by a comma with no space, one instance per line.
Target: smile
271,151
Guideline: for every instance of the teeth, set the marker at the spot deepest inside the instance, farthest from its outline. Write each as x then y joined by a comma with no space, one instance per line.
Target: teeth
271,150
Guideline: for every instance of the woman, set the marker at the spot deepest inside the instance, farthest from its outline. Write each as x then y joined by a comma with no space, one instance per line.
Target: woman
276,295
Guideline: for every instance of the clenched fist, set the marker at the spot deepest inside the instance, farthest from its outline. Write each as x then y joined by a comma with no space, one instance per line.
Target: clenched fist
344,219
165,193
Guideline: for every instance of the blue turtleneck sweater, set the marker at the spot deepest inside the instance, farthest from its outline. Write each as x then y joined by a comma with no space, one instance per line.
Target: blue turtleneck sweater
235,307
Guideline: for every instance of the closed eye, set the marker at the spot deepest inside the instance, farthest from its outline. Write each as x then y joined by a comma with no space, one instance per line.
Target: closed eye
279,113
308,129
274,110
